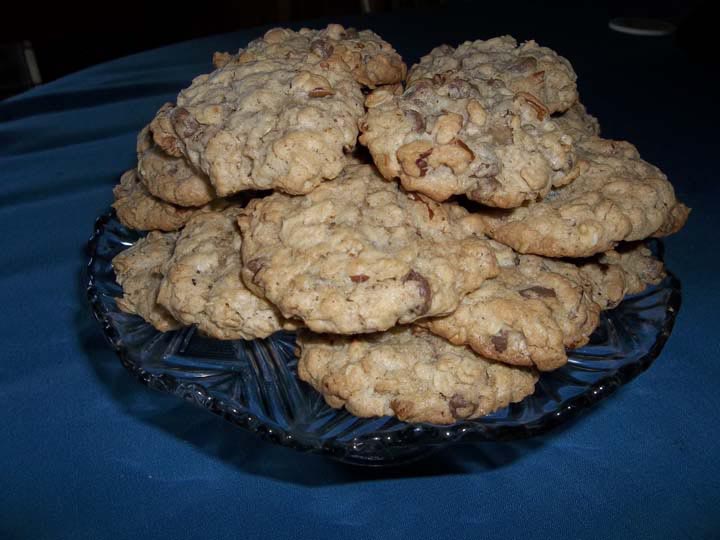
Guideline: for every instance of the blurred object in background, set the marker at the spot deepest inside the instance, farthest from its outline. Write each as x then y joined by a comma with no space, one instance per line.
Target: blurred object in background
18,68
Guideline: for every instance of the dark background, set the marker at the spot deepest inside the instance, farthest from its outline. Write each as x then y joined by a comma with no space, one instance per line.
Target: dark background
67,36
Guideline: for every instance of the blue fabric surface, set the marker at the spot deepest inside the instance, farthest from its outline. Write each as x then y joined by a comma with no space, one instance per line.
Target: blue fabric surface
87,452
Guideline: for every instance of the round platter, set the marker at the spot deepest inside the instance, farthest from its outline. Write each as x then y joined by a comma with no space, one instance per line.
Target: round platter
254,384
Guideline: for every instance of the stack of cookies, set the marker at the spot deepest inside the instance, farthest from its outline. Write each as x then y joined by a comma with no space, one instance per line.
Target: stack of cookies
433,270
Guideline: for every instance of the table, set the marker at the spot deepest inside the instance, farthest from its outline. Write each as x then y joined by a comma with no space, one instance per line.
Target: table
87,452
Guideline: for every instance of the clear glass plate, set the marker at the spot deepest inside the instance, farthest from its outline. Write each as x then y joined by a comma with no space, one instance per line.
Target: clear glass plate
253,384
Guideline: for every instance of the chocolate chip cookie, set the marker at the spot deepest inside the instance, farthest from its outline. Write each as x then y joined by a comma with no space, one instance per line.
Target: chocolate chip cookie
139,271
616,197
137,209
202,282
409,373
360,255
170,178
468,124
280,114
537,307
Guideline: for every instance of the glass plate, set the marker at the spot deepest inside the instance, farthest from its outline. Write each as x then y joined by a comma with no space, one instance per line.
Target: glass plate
253,384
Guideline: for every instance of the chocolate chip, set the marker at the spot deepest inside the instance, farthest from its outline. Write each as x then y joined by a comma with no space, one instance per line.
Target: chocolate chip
417,120
461,407
183,122
423,287
320,92
439,78
500,341
359,278
537,291
322,48
255,266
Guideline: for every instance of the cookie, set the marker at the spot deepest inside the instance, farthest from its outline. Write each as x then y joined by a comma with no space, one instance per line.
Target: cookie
629,269
202,284
525,316
137,209
410,374
359,255
527,68
577,122
617,196
169,178
280,114
458,128
538,307
139,271
371,60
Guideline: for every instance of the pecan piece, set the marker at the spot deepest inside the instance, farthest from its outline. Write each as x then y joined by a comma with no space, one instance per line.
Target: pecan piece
541,110
320,92
537,291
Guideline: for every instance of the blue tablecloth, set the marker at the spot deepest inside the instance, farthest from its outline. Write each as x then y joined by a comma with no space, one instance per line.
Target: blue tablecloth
87,452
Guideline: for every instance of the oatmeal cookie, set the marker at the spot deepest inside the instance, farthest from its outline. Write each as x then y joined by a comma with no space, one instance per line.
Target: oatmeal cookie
359,255
137,209
408,373
281,113
202,282
139,271
460,128
617,196
537,307
371,60
528,68
170,178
